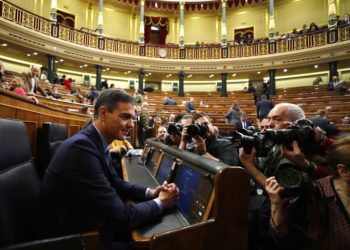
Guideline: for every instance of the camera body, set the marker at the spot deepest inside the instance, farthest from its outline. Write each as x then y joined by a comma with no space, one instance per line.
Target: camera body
175,129
302,131
248,139
197,130
287,174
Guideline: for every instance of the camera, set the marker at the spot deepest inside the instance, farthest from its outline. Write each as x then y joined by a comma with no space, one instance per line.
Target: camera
248,139
197,129
302,131
175,129
293,180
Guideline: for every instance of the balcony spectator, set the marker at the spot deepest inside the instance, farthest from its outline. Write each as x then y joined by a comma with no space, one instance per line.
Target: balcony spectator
294,33
344,22
313,28
304,30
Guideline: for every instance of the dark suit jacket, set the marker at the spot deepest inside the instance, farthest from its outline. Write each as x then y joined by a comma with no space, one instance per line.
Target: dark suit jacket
239,124
329,127
263,108
190,107
27,78
81,192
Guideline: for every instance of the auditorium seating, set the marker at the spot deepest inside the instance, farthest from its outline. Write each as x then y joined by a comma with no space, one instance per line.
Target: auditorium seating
19,195
50,137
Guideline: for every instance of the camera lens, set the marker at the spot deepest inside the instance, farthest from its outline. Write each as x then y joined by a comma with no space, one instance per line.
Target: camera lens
174,129
197,129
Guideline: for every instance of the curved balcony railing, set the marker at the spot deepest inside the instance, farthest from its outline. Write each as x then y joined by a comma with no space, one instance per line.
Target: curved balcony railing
37,23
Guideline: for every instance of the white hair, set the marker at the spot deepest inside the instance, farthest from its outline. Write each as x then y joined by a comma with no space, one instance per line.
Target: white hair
294,112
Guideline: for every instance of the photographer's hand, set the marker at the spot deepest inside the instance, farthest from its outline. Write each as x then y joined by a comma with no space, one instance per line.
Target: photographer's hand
273,190
184,138
295,155
247,161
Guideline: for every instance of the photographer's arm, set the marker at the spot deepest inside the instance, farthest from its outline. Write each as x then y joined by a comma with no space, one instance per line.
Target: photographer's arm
247,161
202,149
273,189
295,155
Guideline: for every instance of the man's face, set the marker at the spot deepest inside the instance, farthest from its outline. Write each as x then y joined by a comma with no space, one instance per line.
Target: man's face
186,122
119,121
264,124
34,71
243,118
277,118
161,133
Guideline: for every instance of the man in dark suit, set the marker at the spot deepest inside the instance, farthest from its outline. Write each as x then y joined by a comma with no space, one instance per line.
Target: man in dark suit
31,81
263,107
190,106
83,192
321,121
244,122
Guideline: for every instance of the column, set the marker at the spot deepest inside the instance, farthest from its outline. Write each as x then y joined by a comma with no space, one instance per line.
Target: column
223,84
142,23
332,14
98,77
99,29
223,24
272,32
50,67
181,84
272,82
333,70
53,14
141,77
182,30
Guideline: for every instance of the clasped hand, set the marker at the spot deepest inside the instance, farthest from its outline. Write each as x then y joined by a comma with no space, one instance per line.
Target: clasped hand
167,193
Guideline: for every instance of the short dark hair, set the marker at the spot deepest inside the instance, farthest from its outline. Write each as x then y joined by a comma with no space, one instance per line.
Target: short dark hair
109,98
198,115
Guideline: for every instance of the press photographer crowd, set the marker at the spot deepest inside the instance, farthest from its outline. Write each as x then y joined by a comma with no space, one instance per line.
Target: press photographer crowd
300,174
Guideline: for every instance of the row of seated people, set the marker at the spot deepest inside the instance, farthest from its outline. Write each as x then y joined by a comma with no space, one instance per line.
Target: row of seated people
313,28
17,82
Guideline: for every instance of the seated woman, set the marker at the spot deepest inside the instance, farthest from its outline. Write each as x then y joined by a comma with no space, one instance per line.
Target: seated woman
318,217
16,86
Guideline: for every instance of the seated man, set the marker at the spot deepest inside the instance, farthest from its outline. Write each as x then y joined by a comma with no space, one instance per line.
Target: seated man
211,147
244,122
169,101
190,106
31,82
81,189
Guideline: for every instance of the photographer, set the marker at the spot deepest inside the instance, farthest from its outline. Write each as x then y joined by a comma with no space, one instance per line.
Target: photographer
319,217
177,132
208,145
280,117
